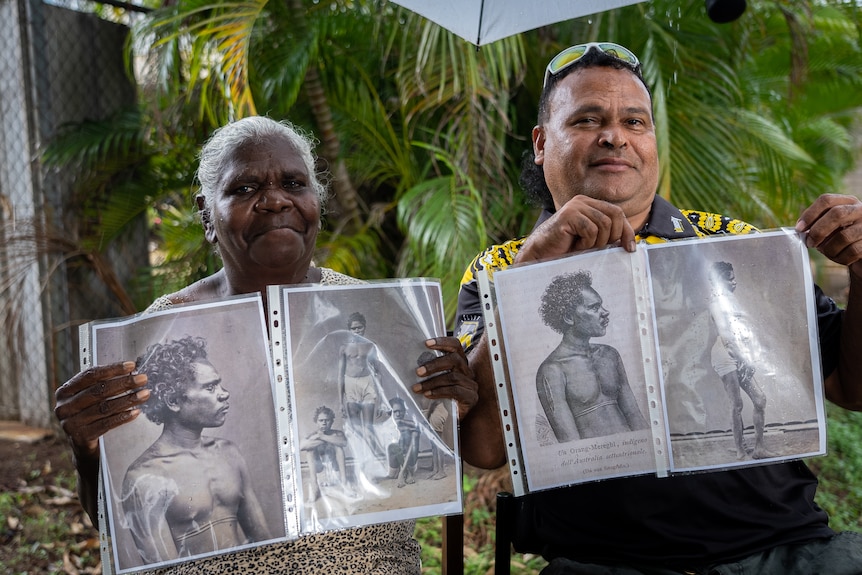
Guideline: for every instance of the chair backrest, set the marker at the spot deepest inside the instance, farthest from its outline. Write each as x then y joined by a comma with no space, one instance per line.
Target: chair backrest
452,560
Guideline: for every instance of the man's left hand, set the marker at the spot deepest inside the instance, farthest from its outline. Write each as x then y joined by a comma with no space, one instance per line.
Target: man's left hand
833,224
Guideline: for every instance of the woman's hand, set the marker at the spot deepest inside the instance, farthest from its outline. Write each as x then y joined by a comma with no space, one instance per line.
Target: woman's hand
448,376
97,400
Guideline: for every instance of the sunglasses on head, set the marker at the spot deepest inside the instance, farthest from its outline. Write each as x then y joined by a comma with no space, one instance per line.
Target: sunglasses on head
571,55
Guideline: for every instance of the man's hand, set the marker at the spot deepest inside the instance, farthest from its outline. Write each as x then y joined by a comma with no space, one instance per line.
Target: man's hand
833,225
583,223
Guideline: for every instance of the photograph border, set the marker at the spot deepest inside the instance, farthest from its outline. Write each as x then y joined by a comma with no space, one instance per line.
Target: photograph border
400,315
234,329
788,346
509,366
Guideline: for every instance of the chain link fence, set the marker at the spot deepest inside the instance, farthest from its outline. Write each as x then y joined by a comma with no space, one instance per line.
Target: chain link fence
59,63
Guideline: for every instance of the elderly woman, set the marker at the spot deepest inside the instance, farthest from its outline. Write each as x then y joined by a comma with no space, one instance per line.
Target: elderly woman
260,203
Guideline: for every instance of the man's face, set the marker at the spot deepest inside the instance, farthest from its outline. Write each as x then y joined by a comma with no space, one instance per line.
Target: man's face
357,327
324,422
398,411
599,141
730,281
589,317
205,401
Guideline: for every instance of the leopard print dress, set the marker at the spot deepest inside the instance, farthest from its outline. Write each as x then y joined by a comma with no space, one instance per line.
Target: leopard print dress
385,549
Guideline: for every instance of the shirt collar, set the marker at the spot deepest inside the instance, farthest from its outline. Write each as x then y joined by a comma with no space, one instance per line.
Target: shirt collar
665,221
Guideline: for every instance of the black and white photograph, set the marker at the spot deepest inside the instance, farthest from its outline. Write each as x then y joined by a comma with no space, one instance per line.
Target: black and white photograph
574,356
684,356
196,473
741,377
370,450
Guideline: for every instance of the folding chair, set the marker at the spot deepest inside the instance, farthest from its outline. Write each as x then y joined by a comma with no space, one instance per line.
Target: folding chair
510,535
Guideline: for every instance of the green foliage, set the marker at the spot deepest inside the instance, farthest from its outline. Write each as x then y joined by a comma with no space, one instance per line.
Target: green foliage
478,560
754,119
131,167
440,216
40,533
840,471
112,187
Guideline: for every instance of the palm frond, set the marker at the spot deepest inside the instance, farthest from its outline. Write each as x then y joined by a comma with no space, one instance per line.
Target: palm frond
203,46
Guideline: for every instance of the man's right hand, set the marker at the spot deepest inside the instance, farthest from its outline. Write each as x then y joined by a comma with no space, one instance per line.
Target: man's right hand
583,223
97,400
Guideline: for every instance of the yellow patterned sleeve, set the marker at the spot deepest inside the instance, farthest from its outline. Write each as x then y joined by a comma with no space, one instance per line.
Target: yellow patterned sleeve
708,224
469,321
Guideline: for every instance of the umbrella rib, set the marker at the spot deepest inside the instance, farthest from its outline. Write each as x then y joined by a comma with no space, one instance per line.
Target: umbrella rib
479,31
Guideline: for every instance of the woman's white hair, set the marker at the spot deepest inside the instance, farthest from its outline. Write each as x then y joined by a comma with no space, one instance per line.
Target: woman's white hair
226,139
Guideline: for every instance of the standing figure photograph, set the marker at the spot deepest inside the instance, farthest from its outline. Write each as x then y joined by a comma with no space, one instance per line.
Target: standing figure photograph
359,384
360,347
733,357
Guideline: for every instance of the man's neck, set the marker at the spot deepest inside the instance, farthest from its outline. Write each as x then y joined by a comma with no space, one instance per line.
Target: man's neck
176,435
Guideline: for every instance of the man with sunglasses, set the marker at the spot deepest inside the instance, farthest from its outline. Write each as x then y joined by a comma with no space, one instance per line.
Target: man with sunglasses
594,168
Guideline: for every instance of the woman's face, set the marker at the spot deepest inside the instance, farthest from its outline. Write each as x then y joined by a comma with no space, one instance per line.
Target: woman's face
265,213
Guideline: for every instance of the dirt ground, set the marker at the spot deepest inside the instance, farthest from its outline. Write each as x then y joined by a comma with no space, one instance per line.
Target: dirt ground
718,450
22,460
39,473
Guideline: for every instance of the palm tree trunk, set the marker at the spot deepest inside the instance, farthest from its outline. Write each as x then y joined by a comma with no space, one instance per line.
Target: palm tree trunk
799,52
346,199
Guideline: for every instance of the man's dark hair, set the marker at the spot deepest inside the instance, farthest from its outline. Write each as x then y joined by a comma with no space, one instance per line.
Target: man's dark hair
323,409
425,357
356,316
532,177
169,371
532,180
722,269
563,293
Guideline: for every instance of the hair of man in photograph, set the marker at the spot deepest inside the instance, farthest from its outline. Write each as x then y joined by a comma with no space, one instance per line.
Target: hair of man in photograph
169,369
356,317
721,269
324,409
564,292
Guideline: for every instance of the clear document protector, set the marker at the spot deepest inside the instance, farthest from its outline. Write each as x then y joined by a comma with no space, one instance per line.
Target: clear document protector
686,356
305,418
